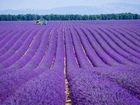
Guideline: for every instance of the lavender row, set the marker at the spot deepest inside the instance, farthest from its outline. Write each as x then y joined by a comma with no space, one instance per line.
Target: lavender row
117,48
119,57
12,41
4,35
83,60
20,53
48,57
34,60
133,34
124,39
12,81
37,57
127,77
133,30
130,38
116,59
15,47
123,45
88,88
59,57
31,51
70,53
25,59
9,36
94,58
47,88
97,47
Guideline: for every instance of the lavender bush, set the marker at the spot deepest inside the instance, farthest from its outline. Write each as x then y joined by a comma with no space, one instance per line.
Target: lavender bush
99,59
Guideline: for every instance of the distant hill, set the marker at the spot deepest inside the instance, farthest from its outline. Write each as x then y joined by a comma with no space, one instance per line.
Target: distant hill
100,9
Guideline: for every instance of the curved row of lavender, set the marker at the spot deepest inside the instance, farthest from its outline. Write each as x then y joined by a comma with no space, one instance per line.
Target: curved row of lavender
102,62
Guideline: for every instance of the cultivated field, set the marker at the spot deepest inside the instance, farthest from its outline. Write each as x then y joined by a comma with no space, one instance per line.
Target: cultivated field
70,62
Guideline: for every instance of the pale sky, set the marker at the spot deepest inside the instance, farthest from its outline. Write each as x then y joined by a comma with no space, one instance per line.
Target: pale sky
48,4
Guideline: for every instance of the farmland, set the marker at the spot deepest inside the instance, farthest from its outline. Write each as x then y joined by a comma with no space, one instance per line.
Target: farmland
70,62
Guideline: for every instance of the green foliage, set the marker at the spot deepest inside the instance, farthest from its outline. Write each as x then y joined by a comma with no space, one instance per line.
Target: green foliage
120,16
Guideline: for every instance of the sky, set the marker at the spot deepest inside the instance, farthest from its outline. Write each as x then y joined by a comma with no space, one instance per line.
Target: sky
49,4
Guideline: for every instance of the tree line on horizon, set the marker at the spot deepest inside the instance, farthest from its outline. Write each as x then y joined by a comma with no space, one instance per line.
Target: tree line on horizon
29,17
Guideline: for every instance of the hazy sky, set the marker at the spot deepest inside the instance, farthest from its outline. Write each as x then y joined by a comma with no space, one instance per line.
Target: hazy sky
48,4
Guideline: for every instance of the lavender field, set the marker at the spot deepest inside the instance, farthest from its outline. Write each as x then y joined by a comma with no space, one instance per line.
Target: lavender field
70,62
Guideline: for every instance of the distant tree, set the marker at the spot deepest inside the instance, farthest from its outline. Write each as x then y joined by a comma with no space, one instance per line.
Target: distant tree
34,17
2,17
103,17
94,17
85,17
24,17
136,16
139,17
14,18
29,17
9,17
46,17
19,17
